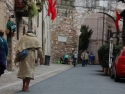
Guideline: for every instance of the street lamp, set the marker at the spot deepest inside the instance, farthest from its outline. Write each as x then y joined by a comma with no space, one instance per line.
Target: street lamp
110,52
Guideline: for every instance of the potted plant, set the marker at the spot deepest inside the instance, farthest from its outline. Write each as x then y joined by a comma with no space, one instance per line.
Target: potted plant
33,10
103,54
27,9
40,6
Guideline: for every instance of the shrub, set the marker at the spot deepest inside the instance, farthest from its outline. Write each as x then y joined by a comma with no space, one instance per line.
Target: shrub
116,50
103,54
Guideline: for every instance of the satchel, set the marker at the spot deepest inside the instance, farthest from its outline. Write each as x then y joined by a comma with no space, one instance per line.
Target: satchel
23,54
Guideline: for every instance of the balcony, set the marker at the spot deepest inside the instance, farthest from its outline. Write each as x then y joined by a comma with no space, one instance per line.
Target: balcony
27,8
22,7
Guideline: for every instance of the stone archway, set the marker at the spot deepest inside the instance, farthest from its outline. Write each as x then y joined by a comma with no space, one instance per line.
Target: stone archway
75,20
80,15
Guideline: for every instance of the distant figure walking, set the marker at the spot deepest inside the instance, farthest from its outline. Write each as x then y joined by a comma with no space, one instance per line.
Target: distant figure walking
75,56
26,66
3,52
92,56
84,57
66,58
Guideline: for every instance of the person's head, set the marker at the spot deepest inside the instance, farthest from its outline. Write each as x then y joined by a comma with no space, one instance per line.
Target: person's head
1,32
84,50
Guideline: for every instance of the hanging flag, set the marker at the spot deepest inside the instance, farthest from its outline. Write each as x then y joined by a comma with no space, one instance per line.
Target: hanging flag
53,11
49,7
118,17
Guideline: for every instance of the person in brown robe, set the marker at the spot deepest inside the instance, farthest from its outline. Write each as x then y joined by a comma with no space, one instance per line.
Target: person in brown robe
26,66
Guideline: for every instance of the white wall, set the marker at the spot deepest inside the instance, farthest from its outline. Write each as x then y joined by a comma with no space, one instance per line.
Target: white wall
46,43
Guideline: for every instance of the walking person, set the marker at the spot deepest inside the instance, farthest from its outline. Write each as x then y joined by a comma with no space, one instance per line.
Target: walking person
92,56
26,66
3,52
75,56
66,58
87,63
84,57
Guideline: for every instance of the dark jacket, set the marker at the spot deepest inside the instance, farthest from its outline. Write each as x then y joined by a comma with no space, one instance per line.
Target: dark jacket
4,45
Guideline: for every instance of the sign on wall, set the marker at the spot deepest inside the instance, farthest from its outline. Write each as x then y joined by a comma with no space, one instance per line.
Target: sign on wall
62,38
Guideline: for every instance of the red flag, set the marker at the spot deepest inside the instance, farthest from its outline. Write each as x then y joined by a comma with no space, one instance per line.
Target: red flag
118,17
53,11
49,7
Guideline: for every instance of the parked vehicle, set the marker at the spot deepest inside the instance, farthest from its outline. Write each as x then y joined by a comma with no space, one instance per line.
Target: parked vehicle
117,70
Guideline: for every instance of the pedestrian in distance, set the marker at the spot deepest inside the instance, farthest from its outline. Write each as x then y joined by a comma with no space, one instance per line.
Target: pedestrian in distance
92,56
26,66
87,63
84,57
3,52
66,58
75,56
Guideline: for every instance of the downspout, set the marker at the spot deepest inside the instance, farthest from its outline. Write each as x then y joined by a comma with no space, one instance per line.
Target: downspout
43,27
103,27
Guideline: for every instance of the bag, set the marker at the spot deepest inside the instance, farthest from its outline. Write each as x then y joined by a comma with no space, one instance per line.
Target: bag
23,54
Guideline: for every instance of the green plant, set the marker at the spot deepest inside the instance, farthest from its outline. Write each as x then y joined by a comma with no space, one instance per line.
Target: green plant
39,4
116,50
25,8
33,10
84,37
103,54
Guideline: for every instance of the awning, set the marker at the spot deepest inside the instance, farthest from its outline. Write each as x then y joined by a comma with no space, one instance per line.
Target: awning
11,26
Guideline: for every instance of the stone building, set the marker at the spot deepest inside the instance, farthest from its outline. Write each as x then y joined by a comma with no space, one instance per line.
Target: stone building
79,12
99,36
63,39
39,24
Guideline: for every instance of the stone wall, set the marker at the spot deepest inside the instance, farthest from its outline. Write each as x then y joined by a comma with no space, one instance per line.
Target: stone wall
59,49
7,9
2,15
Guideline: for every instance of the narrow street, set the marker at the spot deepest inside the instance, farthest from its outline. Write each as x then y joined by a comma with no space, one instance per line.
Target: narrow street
78,80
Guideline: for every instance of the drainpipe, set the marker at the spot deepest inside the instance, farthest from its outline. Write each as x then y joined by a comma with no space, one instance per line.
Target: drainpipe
43,25
103,26
97,28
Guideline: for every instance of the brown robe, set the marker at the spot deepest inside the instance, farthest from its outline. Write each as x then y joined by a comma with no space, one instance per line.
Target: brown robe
27,65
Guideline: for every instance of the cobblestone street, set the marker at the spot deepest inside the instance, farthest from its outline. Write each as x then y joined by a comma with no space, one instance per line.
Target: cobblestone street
78,80
9,83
